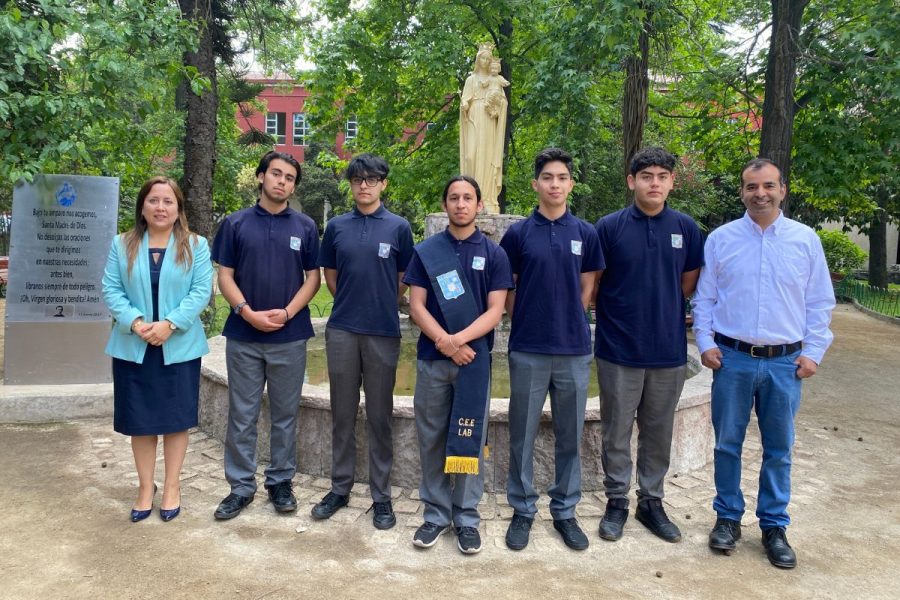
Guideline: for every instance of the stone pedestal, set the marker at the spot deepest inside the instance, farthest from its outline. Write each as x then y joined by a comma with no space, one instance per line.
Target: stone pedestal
493,226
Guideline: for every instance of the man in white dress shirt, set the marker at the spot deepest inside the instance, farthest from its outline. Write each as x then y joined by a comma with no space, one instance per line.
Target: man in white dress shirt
761,315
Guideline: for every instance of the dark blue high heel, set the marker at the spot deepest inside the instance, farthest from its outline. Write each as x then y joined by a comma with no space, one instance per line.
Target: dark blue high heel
167,514
140,515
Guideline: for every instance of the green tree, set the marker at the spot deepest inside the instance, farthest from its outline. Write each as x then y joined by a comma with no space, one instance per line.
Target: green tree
848,133
68,67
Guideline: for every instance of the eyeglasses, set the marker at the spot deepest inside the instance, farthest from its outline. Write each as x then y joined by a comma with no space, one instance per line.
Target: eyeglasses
370,181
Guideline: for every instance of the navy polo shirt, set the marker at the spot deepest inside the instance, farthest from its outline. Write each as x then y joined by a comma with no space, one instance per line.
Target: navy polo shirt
640,305
486,268
368,252
549,258
270,255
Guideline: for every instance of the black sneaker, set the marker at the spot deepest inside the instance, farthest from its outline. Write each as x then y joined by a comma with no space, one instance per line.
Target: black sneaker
281,495
650,513
518,531
329,505
468,540
427,534
613,521
571,533
231,506
384,515
725,534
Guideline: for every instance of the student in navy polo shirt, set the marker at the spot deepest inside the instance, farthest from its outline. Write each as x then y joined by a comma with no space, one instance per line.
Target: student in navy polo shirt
555,258
653,258
442,356
364,254
268,274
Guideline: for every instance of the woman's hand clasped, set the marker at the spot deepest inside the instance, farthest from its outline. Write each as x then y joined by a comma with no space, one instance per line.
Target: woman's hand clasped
155,333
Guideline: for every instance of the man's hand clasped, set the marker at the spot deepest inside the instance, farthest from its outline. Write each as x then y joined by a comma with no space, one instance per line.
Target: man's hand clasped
266,320
460,354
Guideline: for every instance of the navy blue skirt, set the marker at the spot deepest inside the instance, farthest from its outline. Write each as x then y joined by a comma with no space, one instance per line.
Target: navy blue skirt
155,399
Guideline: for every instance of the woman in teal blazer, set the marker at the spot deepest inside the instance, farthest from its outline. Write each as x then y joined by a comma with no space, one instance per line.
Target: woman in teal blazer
158,279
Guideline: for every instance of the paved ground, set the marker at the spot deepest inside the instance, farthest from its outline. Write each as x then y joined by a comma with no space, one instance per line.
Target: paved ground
68,488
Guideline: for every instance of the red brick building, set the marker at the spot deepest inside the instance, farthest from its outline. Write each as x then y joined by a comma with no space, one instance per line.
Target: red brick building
286,119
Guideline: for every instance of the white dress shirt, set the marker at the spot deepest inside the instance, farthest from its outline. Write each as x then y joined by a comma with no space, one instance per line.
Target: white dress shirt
765,287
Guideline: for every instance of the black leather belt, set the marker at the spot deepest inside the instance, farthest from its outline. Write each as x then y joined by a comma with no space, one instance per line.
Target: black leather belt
773,351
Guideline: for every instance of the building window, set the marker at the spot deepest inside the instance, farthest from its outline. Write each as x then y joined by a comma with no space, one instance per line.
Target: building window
275,126
351,128
301,129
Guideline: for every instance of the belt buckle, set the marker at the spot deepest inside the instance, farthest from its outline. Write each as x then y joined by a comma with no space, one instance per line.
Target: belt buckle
762,349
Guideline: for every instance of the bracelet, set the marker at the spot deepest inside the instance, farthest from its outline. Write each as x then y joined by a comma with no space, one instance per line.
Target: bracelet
286,316
452,345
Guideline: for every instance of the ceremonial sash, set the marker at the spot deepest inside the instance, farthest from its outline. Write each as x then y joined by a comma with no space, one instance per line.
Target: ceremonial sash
472,389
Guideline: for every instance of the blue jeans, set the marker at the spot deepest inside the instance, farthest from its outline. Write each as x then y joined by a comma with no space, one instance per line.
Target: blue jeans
772,388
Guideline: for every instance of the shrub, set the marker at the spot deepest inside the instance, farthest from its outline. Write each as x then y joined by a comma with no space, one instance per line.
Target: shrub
842,255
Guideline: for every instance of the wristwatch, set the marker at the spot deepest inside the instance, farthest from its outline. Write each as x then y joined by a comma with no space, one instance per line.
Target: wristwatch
239,307
172,326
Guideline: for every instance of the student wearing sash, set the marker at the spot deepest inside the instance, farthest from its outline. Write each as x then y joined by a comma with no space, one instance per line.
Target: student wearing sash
653,257
364,254
458,284
555,258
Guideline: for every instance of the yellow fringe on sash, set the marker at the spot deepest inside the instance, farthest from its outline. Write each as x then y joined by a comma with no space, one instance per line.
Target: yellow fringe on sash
465,465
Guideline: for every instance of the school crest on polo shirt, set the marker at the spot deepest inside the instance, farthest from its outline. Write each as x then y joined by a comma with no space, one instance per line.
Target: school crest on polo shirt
677,240
576,247
451,285
295,243
384,250
478,263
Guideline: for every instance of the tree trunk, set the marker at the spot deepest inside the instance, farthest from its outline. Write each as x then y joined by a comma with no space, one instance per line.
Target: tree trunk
779,106
200,125
506,32
878,274
634,99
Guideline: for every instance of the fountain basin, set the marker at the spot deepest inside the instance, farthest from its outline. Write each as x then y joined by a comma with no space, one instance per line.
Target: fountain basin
691,443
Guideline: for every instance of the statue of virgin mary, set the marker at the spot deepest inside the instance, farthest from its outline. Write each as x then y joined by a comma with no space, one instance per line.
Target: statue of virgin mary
482,126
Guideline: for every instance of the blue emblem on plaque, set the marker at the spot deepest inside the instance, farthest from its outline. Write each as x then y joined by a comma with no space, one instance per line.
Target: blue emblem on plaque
451,285
66,195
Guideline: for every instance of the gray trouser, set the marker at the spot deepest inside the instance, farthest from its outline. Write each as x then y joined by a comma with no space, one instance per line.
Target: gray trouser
653,394
372,360
251,366
433,400
531,376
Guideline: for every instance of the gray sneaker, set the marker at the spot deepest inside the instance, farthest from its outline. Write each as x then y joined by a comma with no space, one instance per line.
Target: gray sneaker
468,540
427,534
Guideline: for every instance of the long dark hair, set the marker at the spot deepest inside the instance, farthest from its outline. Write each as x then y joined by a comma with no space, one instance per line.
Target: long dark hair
184,238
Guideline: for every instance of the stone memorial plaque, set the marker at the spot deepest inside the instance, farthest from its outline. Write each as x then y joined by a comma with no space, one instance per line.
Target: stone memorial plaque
56,320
